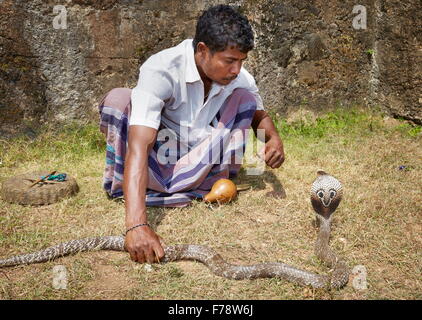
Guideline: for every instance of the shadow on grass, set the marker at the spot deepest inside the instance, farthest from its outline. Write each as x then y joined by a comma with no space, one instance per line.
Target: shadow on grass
258,182
155,216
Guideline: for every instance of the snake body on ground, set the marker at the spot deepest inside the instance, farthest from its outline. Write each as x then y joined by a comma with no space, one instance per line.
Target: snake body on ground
326,194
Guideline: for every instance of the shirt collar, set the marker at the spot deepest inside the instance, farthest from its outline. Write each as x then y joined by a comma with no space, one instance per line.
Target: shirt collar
192,74
218,87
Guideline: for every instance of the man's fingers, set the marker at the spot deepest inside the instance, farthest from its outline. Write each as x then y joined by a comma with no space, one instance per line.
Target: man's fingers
140,256
150,257
162,243
271,161
274,161
269,155
159,253
132,252
279,161
158,250
157,258
133,256
154,255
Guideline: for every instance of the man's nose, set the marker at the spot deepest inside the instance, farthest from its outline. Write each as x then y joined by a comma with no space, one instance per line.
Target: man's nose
235,69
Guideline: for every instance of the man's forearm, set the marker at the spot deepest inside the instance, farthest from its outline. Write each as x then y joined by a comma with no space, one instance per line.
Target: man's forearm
135,180
262,121
135,183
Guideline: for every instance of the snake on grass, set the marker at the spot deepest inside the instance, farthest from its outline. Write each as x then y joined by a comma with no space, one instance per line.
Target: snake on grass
326,194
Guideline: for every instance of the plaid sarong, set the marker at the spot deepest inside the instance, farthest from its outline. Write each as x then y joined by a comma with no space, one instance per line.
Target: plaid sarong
192,175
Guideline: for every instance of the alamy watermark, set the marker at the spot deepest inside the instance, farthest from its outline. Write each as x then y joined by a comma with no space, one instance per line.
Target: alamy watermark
359,21
60,21
59,277
221,147
359,281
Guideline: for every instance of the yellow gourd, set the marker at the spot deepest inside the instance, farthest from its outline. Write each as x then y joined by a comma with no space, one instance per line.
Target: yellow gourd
223,190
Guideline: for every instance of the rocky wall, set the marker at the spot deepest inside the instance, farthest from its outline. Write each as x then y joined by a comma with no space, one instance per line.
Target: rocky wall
308,54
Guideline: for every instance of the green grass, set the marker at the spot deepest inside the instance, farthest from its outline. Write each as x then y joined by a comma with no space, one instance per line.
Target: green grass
342,122
378,223
73,143
337,122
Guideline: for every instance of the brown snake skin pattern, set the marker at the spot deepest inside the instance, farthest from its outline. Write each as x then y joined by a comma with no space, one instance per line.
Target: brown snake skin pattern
326,193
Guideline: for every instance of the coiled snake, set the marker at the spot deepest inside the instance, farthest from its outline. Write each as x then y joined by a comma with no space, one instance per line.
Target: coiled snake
326,193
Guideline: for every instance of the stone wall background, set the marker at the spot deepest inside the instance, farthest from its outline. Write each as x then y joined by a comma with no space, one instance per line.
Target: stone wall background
308,55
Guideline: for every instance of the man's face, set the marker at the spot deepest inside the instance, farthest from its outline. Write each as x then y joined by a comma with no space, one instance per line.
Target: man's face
222,66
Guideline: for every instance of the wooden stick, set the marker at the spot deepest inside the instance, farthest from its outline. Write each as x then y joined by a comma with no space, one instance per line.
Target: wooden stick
243,187
42,179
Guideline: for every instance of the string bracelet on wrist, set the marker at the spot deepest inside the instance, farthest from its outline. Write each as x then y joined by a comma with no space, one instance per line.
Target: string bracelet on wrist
138,225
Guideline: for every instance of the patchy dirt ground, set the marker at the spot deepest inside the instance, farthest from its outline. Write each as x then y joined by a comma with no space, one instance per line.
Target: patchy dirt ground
377,225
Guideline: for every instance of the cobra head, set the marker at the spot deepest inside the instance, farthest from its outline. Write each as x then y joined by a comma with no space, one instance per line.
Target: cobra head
326,194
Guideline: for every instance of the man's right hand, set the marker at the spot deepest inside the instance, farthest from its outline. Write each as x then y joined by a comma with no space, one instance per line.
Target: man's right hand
144,245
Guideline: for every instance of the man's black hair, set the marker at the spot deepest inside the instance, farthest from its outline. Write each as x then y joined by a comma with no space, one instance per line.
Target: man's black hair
222,26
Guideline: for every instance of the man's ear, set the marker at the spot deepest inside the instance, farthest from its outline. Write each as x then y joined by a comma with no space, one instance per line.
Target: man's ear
202,49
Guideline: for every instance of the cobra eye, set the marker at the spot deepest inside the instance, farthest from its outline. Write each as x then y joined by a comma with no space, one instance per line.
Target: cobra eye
320,194
332,194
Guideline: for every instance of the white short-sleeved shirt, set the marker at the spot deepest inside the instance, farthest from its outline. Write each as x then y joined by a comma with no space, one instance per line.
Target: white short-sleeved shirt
170,92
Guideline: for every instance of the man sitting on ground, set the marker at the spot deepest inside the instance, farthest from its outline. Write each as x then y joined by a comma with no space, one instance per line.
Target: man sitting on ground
178,131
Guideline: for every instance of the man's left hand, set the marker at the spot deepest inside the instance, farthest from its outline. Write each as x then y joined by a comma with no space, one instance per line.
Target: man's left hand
274,152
